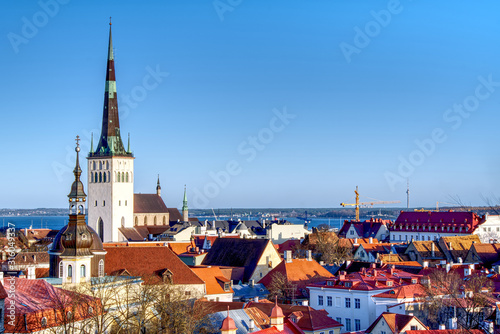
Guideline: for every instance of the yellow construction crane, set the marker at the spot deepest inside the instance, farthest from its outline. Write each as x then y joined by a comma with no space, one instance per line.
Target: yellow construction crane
357,204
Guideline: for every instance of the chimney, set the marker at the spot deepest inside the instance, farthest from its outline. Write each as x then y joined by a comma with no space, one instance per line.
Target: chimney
251,325
288,256
442,327
31,273
426,264
309,255
256,299
448,267
251,283
305,303
433,250
355,241
370,240
460,260
450,246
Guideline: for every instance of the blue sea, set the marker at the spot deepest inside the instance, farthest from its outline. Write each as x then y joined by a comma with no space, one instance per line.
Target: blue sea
57,222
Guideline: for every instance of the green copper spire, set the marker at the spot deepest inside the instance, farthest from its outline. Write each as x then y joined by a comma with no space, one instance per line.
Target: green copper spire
128,146
185,201
91,142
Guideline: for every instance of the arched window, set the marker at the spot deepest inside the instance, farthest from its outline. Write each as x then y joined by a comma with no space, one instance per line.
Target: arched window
100,229
145,221
100,177
70,270
61,269
104,177
100,271
100,164
136,222
109,177
123,177
95,177
126,177
164,220
93,165
155,220
123,221
82,271
107,164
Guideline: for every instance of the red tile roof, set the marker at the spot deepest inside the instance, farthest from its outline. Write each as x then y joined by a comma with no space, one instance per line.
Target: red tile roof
37,299
299,272
213,278
370,279
423,220
288,245
395,321
149,203
149,263
446,331
403,292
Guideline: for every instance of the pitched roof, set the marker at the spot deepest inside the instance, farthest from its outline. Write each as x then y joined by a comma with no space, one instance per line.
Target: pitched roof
35,299
175,215
403,292
394,321
213,278
455,247
466,222
149,262
366,229
309,319
445,331
149,203
31,258
424,248
488,253
237,253
299,272
179,247
288,245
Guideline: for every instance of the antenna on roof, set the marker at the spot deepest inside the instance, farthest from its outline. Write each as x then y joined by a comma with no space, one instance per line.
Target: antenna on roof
407,193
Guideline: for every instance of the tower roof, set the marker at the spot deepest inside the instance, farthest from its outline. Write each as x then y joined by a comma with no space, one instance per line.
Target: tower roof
77,186
185,201
110,142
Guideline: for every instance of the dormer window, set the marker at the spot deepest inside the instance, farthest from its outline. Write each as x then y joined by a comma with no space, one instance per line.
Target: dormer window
389,283
348,284
227,286
329,283
414,281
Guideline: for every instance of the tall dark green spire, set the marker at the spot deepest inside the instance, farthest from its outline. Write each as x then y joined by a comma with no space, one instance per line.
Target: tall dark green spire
110,142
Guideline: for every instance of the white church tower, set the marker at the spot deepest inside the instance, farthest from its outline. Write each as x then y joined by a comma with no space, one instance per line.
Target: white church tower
110,169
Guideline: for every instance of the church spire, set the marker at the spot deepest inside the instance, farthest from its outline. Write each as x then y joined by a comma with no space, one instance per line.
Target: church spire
110,143
185,212
158,187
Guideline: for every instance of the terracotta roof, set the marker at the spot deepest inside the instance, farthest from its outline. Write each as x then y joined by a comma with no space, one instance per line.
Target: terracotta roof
179,247
213,278
42,272
288,245
394,321
31,258
38,233
310,319
300,272
403,292
35,299
149,263
3,293
370,279
232,252
488,253
149,203
205,306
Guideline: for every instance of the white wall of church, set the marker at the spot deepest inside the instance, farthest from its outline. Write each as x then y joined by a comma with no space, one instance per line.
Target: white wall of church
111,195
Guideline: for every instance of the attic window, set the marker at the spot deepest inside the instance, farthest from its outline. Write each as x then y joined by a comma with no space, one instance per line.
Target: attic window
329,283
226,286
389,283
348,284
414,281
392,292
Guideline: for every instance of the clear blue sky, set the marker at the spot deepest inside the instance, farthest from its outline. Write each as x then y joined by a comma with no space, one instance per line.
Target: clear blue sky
359,82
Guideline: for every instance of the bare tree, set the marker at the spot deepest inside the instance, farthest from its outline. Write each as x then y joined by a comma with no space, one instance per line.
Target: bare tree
281,288
446,295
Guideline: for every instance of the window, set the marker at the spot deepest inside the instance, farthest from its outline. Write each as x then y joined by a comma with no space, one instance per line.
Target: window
357,303
351,232
103,203
348,324
413,328
70,270
348,304
382,332
119,203
337,302
321,332
125,202
61,269
44,321
357,324
320,300
329,301
339,320
330,332
82,271
414,281
101,268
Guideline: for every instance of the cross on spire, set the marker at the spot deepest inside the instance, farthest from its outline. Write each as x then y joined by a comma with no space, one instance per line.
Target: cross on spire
77,141
110,20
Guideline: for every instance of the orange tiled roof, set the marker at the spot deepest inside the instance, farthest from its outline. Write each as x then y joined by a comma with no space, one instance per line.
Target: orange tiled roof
148,262
403,292
213,278
394,321
179,247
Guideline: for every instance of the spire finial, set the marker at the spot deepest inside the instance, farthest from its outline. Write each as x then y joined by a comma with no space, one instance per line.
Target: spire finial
77,143
128,145
110,20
